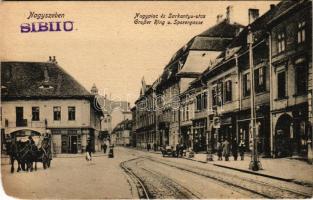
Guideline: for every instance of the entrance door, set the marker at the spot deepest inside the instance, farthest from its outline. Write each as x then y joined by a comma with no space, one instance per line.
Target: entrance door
73,144
283,136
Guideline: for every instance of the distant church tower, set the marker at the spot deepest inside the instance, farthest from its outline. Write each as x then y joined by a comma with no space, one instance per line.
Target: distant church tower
94,89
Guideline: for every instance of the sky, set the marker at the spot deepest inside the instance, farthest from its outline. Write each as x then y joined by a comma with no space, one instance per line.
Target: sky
106,47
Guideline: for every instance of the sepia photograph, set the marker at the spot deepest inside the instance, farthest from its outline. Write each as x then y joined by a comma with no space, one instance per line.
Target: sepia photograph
156,99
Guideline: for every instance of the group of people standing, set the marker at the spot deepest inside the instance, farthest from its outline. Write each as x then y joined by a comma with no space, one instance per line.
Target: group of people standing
225,148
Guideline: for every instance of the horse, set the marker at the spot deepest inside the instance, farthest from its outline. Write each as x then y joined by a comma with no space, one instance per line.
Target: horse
43,154
19,151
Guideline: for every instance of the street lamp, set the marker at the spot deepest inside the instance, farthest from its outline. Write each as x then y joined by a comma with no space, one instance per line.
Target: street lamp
255,164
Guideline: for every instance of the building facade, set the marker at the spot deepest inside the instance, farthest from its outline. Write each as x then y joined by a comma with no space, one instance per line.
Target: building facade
291,69
39,98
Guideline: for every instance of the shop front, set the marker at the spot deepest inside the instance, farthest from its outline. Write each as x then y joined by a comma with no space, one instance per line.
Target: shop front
186,136
292,131
199,134
262,131
72,140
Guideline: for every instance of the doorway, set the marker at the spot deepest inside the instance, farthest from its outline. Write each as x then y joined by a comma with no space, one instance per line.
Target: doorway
73,144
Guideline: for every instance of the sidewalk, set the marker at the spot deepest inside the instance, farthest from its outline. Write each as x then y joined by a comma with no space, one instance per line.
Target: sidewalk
290,170
283,168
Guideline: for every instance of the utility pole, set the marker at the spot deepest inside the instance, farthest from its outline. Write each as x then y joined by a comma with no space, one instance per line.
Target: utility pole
255,164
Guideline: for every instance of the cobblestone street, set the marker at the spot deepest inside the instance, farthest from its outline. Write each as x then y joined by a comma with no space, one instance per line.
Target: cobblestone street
73,177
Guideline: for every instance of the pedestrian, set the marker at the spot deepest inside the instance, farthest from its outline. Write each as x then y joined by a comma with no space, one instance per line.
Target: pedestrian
105,147
241,148
226,149
88,151
219,149
234,148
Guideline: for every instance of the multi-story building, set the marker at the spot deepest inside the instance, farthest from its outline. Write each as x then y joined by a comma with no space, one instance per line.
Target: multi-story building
145,117
230,87
122,133
40,97
134,127
187,106
291,74
186,65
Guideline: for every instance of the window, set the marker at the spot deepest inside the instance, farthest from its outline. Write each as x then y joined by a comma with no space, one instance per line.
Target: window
281,42
214,96
259,75
228,91
219,93
187,113
57,113
301,32
246,84
199,102
205,100
281,83
35,113
71,113
301,80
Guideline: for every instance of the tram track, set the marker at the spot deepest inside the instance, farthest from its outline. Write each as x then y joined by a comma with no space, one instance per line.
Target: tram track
263,189
156,184
141,188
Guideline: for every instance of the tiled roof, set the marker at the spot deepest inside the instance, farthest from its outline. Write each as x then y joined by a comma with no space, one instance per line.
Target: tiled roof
209,44
284,6
222,29
216,38
39,80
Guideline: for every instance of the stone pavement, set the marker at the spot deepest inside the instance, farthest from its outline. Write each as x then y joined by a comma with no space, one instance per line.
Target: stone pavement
279,168
285,169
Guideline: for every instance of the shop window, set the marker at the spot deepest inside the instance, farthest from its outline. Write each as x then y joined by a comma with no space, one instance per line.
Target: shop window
281,84
57,113
281,41
259,75
301,80
71,113
35,113
246,84
228,90
301,32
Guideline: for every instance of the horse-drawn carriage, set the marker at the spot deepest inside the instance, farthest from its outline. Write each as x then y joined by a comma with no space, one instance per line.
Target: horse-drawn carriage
27,148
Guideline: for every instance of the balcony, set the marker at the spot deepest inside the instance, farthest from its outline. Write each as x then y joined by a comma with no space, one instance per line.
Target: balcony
21,123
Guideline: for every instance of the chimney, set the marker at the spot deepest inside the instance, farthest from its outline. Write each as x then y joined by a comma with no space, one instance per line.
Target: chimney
50,59
229,14
219,18
272,6
253,14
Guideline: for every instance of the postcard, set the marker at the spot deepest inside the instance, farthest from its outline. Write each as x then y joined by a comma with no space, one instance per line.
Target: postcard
156,99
